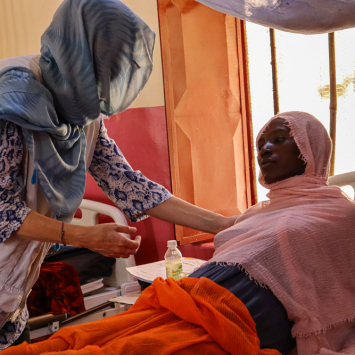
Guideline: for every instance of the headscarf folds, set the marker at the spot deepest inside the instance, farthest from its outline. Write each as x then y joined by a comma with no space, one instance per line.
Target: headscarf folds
100,64
301,243
96,58
312,140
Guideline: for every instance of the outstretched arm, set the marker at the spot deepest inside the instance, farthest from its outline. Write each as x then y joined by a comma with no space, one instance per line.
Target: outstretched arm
105,238
128,189
16,219
180,212
138,197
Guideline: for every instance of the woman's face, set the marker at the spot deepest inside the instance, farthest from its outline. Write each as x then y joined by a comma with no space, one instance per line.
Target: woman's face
278,154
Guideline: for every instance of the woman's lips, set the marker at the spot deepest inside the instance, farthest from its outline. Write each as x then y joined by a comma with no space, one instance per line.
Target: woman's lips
267,164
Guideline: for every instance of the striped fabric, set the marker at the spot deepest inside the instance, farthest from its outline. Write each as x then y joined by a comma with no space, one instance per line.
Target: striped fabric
96,58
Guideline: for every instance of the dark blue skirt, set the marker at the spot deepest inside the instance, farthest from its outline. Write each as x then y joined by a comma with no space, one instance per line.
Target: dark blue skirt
272,324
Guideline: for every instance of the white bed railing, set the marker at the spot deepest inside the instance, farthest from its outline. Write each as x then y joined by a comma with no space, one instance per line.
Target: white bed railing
346,179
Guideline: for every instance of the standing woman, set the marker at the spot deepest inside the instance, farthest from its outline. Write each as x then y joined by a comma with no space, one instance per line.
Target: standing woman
96,57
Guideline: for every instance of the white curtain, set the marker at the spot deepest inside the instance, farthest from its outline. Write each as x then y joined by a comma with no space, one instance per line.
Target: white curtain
299,16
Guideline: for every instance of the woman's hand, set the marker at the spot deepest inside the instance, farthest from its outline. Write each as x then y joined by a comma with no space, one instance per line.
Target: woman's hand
105,239
229,222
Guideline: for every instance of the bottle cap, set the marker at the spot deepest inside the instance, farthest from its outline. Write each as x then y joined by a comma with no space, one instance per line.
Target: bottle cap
172,244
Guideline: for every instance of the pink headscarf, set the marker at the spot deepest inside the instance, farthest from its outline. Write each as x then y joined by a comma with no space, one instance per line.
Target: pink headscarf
312,140
301,243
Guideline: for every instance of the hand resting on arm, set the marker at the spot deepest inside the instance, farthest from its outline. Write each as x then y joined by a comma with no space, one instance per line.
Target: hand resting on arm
105,238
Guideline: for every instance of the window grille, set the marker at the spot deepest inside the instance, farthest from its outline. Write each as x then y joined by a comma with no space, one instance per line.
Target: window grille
314,73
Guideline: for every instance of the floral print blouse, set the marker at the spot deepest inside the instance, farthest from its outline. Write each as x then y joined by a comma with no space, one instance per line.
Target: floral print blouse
130,190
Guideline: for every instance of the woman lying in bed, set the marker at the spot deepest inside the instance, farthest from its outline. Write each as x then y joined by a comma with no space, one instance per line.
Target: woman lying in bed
300,245
290,261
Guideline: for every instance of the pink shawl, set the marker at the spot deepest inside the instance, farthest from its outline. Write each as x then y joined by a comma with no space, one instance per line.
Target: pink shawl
301,244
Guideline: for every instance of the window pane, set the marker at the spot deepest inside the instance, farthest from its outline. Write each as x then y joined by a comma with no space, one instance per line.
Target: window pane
345,66
303,80
260,79
303,74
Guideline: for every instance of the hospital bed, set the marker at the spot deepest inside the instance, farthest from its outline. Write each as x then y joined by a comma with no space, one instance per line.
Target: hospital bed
346,181
97,302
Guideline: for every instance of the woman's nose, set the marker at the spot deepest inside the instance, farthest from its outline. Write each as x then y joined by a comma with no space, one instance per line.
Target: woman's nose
265,149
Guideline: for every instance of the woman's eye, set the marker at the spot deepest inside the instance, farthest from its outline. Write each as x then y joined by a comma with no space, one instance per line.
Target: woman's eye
279,139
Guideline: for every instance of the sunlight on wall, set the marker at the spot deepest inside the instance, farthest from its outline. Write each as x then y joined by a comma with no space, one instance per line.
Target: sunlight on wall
22,23
303,79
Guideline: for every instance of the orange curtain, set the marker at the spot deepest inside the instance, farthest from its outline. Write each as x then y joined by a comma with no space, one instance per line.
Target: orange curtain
187,317
208,130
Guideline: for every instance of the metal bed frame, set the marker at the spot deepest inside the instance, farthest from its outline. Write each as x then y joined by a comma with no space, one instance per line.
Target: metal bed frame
48,324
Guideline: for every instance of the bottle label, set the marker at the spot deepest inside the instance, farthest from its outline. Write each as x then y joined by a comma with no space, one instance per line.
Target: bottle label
174,270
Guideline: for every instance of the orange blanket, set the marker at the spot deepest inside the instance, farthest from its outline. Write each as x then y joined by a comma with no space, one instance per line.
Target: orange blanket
187,317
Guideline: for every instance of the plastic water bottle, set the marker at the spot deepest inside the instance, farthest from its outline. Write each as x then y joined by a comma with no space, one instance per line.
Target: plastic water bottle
173,261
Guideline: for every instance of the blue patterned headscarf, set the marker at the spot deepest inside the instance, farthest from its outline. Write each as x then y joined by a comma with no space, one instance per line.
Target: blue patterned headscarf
96,58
